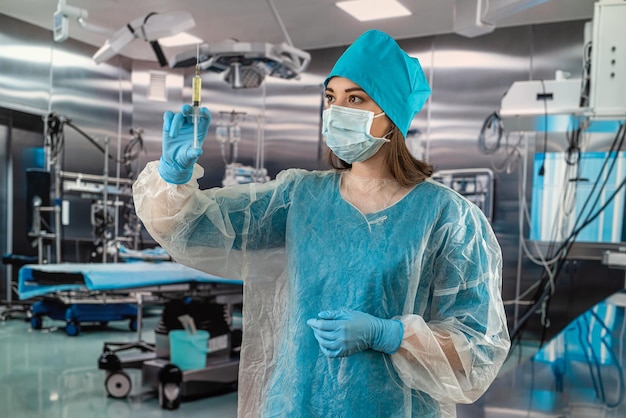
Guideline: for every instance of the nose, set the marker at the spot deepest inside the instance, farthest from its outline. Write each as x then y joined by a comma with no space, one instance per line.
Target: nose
343,102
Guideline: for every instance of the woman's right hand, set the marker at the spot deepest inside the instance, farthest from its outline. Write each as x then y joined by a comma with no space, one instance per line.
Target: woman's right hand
178,153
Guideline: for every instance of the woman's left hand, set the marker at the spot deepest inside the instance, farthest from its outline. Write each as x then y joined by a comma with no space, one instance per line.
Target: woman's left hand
342,333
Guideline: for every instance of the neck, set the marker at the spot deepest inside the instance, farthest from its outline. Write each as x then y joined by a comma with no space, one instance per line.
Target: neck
374,169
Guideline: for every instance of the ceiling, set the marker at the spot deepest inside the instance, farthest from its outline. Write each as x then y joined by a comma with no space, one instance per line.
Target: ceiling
311,24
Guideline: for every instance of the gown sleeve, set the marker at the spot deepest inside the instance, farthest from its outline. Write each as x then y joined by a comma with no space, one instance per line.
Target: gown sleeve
455,349
235,232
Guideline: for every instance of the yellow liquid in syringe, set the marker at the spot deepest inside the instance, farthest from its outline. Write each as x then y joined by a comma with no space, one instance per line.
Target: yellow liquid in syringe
196,87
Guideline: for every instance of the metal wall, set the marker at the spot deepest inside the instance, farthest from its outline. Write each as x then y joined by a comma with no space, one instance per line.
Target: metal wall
16,128
5,220
468,76
39,77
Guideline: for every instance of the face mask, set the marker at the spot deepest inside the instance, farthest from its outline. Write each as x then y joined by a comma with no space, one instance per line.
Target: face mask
347,133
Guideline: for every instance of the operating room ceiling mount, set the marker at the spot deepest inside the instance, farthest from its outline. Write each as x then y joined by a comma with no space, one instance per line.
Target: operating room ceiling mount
245,64
148,28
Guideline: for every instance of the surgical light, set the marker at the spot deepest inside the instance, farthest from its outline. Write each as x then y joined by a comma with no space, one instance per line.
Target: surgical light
180,39
245,64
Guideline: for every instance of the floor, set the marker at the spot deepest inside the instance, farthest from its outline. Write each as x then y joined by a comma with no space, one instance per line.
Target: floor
46,373
578,374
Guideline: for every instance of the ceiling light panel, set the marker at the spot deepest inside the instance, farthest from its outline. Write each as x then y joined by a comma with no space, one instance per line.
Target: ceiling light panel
367,10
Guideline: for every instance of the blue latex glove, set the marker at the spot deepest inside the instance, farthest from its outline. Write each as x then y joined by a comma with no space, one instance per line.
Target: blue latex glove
343,332
178,154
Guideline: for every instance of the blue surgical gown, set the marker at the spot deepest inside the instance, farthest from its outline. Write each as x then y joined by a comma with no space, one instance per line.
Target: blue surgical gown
430,260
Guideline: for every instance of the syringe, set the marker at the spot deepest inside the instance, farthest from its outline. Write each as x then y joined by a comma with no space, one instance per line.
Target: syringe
196,87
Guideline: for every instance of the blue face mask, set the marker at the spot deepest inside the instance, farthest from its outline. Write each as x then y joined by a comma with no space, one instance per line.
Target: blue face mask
347,133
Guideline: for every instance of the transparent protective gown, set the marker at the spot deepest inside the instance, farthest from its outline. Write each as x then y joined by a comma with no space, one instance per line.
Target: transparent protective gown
430,260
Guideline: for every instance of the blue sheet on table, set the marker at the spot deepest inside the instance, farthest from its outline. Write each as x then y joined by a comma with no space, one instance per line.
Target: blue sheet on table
109,276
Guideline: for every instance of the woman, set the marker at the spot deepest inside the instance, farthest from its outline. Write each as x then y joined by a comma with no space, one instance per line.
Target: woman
370,290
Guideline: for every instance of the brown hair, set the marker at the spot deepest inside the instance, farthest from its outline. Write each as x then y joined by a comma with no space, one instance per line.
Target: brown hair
406,169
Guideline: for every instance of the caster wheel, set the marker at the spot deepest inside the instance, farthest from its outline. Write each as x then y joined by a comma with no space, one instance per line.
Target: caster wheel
132,325
72,329
36,322
110,362
118,385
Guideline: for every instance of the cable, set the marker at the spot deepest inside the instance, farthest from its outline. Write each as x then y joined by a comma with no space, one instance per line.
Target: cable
542,297
573,139
586,77
616,146
493,122
131,153
89,138
545,126
541,261
585,346
54,136
614,357
511,158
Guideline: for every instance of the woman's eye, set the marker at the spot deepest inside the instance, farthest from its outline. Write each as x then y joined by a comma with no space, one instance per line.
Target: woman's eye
329,99
355,99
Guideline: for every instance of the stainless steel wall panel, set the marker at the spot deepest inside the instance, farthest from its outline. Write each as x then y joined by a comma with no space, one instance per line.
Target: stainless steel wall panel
6,220
24,65
39,76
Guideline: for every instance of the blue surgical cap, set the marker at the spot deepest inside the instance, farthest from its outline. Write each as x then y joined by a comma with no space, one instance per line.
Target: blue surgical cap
393,79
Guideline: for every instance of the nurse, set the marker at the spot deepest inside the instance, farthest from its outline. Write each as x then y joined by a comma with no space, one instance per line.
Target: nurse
370,290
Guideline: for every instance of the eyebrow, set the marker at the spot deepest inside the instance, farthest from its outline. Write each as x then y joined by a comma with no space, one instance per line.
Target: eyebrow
350,90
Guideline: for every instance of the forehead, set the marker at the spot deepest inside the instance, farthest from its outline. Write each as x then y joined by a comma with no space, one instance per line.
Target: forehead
338,84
